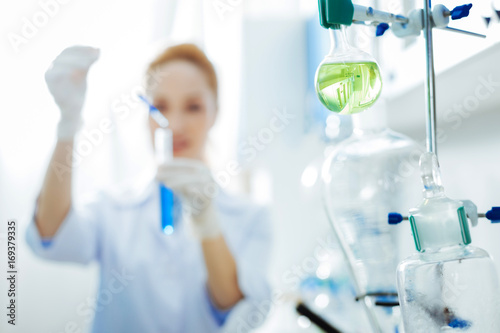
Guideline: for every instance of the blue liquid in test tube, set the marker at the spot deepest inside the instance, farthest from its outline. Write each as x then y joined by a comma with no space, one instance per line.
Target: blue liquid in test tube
167,209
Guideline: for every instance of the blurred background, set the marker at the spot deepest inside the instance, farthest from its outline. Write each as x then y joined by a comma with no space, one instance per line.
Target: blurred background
266,54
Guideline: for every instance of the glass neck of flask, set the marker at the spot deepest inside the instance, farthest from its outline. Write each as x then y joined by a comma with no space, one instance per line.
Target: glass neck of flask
371,121
431,176
338,39
433,191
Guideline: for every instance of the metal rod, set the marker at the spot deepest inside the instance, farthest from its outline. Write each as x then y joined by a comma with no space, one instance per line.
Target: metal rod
401,19
465,32
363,13
366,23
430,87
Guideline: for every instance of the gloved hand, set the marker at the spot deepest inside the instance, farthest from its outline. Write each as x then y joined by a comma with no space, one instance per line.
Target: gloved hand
67,82
192,181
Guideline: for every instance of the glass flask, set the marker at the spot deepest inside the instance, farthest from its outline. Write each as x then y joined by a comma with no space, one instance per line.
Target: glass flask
368,175
449,286
348,80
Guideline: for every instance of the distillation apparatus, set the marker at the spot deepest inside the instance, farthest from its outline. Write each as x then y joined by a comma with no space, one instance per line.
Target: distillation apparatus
362,186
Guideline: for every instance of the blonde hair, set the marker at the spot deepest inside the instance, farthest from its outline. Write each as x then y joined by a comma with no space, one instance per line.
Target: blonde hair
190,53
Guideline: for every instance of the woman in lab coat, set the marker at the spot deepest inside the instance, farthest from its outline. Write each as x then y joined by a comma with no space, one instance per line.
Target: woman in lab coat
210,274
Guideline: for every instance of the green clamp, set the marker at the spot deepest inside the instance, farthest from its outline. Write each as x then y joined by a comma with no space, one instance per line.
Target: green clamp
464,230
335,12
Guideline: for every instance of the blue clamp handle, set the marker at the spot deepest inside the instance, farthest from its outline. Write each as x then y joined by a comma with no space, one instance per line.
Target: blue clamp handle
460,323
395,218
381,29
493,215
460,12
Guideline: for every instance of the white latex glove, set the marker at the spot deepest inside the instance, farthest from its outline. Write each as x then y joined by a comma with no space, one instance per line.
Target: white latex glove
193,182
67,82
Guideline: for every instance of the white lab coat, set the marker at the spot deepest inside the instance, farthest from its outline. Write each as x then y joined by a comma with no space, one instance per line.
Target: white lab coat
156,283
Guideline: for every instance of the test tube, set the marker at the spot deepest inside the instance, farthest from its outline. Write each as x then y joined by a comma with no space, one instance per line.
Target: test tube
164,154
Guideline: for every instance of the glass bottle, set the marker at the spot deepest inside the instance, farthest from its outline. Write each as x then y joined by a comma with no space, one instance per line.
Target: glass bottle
368,175
449,286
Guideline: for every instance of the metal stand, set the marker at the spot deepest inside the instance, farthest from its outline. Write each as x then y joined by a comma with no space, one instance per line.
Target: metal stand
430,87
344,12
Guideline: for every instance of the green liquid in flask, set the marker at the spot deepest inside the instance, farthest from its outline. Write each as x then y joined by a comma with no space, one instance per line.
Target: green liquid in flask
349,87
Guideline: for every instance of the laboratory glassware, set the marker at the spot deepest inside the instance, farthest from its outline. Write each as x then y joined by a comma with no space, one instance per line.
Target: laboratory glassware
369,174
348,80
450,285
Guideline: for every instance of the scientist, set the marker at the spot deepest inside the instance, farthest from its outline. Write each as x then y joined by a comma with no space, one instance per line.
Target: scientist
210,274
